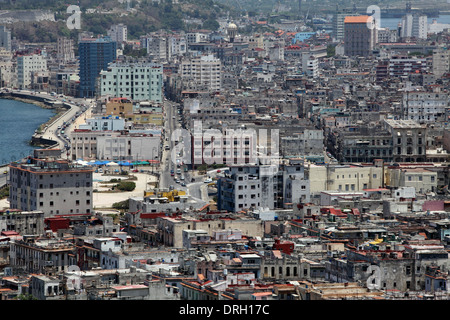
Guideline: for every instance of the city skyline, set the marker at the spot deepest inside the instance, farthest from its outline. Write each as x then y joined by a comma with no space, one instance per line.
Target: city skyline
204,151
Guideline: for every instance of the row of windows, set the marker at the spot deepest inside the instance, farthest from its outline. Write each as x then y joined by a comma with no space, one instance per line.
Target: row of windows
356,175
52,203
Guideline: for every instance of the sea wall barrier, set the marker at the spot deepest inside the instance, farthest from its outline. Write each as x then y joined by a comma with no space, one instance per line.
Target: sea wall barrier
46,102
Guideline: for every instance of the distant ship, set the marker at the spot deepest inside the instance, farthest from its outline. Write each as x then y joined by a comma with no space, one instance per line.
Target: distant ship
319,21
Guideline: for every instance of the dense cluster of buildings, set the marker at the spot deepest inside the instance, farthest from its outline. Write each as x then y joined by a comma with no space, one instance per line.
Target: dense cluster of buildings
331,151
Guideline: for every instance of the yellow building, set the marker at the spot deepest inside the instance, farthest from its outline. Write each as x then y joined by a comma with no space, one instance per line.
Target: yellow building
171,196
344,177
146,118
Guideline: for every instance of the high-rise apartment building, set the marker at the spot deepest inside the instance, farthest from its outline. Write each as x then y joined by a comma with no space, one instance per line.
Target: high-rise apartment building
5,38
118,33
135,81
360,35
95,55
414,25
338,23
157,47
65,51
161,47
204,72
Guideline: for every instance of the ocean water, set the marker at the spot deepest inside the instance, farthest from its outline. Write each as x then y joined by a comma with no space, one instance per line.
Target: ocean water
18,121
392,23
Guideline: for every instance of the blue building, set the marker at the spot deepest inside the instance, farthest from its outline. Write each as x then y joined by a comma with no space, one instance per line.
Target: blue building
302,36
94,55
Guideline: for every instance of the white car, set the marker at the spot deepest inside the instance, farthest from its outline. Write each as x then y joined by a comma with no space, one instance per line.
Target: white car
208,180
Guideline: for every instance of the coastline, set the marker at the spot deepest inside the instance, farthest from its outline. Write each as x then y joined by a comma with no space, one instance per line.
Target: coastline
57,113
40,104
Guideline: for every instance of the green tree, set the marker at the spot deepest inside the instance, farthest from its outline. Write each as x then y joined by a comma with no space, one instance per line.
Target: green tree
122,205
331,50
211,24
25,296
126,186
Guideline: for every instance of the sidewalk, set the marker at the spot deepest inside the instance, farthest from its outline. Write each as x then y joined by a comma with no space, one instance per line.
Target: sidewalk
106,200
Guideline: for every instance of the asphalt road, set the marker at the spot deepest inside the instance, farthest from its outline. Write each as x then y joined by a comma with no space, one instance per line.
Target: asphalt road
170,125
53,131
196,189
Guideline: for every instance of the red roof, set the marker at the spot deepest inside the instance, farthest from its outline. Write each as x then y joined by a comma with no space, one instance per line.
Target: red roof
10,233
357,19
151,215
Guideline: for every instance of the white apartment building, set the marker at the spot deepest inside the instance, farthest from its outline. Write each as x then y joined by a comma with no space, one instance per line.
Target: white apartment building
261,186
113,145
195,37
162,48
136,81
204,71
413,25
425,107
128,147
157,47
26,66
310,66
118,33
242,189
177,45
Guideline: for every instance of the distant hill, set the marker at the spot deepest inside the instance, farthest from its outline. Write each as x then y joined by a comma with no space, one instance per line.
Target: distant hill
97,16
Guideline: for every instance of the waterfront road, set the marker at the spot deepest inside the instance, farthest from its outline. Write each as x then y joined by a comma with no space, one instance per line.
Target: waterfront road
55,131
